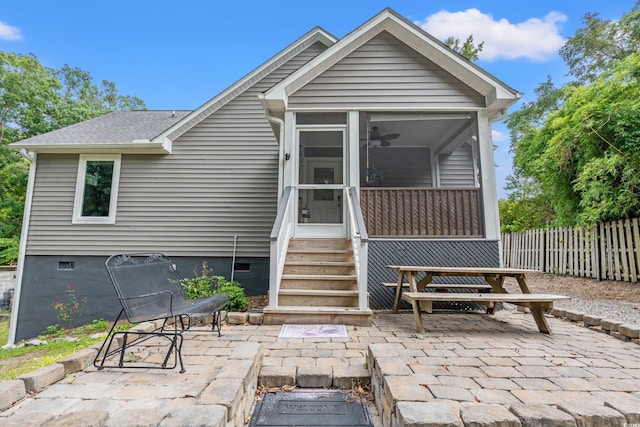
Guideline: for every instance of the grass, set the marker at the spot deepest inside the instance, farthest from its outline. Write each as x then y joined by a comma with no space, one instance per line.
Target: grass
19,361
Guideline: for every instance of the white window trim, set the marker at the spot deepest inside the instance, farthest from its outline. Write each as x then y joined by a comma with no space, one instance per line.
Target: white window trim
80,184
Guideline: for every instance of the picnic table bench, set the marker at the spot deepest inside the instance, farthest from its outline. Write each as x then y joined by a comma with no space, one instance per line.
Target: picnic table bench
494,278
445,286
149,290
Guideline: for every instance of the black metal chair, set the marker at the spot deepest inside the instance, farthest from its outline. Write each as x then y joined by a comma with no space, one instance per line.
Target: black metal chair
149,290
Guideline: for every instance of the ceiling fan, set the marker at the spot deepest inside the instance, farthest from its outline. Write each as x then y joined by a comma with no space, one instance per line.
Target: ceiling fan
376,139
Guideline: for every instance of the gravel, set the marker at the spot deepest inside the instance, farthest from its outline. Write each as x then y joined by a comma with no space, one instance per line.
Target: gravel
607,309
610,299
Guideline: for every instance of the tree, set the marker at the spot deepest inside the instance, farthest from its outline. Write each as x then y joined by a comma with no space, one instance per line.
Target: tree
577,144
526,208
35,99
468,49
600,44
592,155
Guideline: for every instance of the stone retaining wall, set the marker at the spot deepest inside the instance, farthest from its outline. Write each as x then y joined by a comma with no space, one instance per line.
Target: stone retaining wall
7,284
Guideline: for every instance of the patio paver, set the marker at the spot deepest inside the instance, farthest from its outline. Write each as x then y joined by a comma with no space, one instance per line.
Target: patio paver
500,363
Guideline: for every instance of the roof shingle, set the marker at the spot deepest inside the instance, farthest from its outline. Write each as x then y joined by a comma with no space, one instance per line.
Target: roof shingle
118,127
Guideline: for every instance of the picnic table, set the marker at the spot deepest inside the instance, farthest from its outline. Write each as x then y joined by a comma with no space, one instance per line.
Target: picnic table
495,277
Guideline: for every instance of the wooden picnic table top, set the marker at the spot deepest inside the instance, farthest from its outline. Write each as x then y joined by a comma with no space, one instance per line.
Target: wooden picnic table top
462,271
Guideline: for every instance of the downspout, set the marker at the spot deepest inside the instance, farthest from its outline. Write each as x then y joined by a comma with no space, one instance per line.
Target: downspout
274,277
23,246
280,123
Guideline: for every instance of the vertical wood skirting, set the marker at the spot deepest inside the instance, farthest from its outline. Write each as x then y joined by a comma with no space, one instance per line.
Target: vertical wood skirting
607,251
422,212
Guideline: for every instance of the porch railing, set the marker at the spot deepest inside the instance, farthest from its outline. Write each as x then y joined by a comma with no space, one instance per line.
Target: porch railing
280,234
422,212
359,244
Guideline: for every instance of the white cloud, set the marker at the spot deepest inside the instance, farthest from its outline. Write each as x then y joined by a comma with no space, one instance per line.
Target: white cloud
7,32
535,39
498,136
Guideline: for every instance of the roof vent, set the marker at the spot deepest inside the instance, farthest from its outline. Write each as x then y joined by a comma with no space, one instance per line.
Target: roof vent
173,113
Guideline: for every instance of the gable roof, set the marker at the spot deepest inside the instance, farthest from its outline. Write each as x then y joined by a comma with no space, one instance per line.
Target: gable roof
155,131
498,95
119,131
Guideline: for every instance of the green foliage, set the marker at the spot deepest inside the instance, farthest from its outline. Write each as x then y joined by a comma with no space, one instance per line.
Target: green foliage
467,49
70,309
14,362
200,286
600,44
238,301
97,325
35,99
206,284
53,331
526,208
590,159
578,144
9,250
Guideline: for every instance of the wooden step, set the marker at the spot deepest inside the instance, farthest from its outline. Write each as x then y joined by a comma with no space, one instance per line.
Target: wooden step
318,281
319,267
325,277
319,284
314,244
319,255
318,298
318,275
317,315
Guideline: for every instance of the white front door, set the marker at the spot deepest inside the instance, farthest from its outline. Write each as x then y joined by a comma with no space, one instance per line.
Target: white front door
320,185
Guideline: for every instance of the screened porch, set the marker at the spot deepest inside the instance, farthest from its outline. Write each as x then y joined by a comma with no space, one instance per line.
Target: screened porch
420,175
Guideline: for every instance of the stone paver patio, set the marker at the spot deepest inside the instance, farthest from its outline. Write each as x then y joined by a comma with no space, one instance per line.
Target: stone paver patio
467,369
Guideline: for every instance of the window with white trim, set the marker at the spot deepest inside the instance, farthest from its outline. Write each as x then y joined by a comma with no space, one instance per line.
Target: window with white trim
97,189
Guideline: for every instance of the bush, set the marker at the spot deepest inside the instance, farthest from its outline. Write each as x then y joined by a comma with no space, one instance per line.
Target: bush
9,250
206,284
200,286
238,301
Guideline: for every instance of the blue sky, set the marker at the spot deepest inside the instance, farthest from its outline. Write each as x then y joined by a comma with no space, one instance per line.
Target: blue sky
177,55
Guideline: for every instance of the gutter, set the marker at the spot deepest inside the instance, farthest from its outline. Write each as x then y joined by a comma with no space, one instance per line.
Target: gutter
13,326
498,116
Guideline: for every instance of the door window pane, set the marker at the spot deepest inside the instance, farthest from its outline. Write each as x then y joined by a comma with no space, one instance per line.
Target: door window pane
320,145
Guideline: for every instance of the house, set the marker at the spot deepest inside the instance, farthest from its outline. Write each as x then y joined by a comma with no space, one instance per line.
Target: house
304,179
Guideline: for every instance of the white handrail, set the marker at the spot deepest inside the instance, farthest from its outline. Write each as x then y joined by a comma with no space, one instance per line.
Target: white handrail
359,244
280,235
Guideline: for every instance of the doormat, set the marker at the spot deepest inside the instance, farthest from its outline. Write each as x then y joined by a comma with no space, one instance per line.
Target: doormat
302,408
313,331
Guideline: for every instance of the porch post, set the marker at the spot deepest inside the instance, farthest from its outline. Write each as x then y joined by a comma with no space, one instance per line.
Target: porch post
488,178
353,150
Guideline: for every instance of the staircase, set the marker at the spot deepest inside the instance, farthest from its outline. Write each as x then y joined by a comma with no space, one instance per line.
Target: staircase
318,286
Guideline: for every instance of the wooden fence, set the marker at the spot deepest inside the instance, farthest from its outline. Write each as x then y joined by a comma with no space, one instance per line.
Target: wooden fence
608,251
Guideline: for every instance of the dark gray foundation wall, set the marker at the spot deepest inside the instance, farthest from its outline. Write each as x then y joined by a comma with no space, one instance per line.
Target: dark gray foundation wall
46,278
444,253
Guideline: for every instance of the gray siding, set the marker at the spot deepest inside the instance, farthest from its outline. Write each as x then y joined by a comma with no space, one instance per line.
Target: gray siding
456,168
386,74
401,166
219,182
